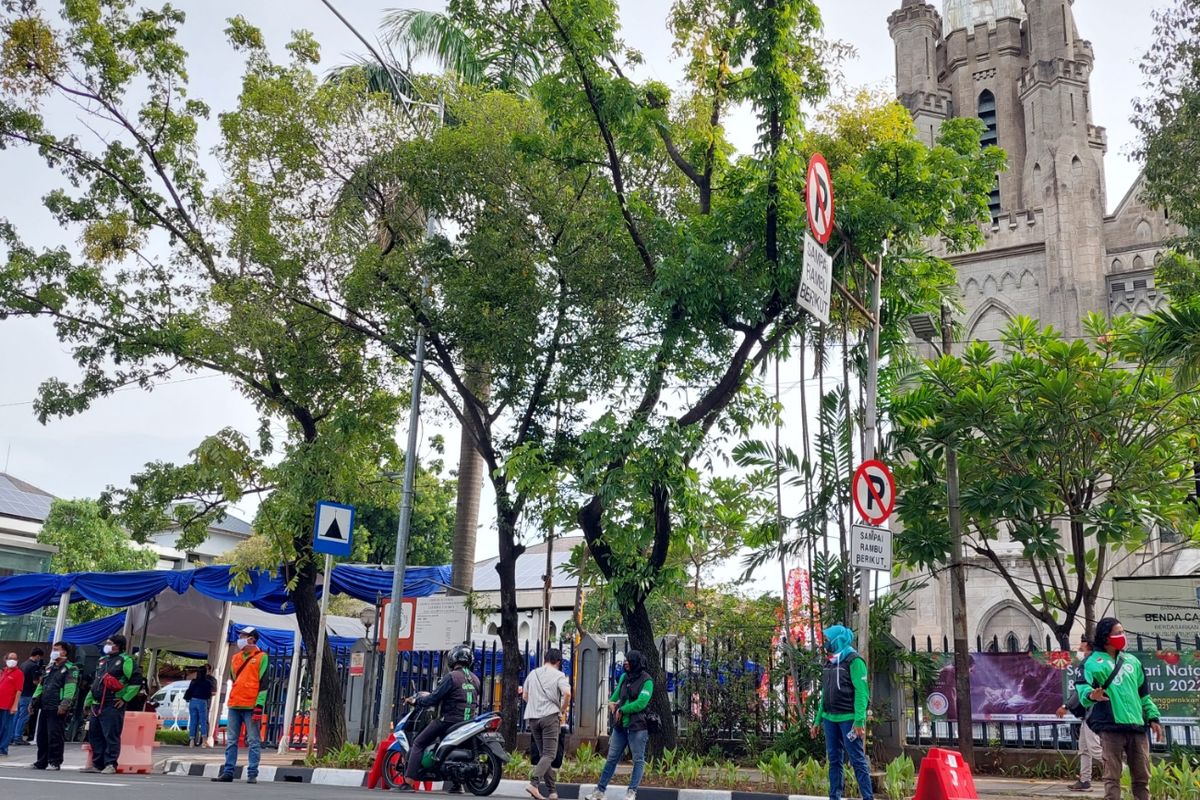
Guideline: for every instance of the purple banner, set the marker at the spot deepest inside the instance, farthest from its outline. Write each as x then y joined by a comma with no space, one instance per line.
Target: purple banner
1005,687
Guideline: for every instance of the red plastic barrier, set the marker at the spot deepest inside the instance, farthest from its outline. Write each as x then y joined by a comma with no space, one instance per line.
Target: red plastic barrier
945,776
137,743
375,776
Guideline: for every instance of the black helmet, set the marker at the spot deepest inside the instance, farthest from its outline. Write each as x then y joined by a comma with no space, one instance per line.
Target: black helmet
462,656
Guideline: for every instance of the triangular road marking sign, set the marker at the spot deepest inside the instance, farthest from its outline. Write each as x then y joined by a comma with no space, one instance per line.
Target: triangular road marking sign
334,531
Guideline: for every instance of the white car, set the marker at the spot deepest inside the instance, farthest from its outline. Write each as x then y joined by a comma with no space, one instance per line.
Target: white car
172,709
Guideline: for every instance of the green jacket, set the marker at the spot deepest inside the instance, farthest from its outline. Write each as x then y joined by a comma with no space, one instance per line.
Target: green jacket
862,695
1129,708
123,671
58,686
635,705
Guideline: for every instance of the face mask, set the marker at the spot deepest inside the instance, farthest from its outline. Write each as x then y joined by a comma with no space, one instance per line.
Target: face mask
241,643
1117,642
55,655
109,649
12,662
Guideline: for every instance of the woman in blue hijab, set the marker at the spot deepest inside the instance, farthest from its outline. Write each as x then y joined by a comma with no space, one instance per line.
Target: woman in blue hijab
842,711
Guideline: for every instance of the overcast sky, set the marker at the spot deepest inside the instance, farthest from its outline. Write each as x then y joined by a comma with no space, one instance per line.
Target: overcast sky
79,457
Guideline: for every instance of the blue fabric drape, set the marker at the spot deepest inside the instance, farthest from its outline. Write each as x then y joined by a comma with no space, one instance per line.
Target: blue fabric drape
93,632
24,594
279,641
367,583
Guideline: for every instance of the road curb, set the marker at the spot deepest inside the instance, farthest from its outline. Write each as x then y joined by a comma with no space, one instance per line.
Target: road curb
323,776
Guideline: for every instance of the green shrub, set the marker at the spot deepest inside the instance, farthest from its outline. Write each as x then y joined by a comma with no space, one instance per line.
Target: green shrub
900,779
518,767
172,737
797,744
348,756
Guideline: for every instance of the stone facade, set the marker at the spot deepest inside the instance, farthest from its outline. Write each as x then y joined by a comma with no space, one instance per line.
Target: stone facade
1051,252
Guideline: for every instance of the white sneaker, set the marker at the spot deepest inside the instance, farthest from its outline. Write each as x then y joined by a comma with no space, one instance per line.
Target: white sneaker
631,794
595,795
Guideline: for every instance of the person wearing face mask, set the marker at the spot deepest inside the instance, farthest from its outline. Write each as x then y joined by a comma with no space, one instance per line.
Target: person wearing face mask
32,669
198,693
11,681
1120,710
842,711
1090,750
246,700
112,688
55,700
630,727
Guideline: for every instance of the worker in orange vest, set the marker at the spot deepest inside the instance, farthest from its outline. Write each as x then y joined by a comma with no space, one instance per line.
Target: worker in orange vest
246,700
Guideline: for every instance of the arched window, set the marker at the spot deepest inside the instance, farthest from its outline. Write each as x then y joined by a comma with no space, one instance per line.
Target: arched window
987,113
493,630
523,632
1011,643
553,632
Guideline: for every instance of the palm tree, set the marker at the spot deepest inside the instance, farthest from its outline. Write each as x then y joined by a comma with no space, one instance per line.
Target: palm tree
1176,340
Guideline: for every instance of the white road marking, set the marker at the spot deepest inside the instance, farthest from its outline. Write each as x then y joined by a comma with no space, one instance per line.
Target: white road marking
55,780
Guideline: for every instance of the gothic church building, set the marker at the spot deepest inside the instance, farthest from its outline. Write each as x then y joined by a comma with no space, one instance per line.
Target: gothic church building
1053,251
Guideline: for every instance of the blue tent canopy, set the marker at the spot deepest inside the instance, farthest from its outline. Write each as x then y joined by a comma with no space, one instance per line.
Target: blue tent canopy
279,641
24,594
96,631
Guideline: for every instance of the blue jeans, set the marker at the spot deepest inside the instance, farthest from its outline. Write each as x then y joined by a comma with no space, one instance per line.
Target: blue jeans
22,716
619,739
837,746
197,719
237,718
7,718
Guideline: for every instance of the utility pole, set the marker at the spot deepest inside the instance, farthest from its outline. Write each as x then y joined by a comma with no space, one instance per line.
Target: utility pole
958,581
870,434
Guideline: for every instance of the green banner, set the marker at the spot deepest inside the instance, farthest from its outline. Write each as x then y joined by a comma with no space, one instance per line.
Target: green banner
1173,678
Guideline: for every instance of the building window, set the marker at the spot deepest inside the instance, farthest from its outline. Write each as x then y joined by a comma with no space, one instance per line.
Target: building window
987,114
1011,643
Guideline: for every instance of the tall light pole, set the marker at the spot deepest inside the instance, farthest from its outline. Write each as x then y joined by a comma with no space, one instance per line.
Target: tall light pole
924,329
958,580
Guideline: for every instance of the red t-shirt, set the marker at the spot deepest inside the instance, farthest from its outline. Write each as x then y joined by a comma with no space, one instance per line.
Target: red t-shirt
11,681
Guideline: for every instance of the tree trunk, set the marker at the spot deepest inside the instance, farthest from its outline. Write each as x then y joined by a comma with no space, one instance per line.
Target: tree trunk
641,638
331,716
470,486
506,566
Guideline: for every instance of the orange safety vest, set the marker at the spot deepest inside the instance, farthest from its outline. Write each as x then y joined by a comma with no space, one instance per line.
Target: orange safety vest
244,693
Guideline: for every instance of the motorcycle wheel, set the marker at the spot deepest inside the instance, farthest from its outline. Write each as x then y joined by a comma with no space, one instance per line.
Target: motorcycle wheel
493,771
393,768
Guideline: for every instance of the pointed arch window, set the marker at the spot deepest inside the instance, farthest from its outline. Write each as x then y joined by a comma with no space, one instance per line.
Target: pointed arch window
990,137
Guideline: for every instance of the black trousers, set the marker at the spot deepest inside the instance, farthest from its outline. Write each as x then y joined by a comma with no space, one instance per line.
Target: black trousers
433,731
104,735
51,735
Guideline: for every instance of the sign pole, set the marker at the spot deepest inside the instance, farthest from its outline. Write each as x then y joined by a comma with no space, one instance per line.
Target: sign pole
319,660
870,434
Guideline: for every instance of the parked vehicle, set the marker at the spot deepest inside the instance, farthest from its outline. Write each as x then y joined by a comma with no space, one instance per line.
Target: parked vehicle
471,754
172,709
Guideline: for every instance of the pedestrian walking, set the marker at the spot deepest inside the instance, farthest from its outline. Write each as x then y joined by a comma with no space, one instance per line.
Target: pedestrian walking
198,695
842,712
1120,710
547,694
31,668
11,681
1090,750
630,726
54,700
246,700
115,684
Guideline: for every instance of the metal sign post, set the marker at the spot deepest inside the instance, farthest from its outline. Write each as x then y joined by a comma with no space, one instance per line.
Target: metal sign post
333,531
870,426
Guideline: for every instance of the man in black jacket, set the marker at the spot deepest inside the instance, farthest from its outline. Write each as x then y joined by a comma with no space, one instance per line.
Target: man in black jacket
55,700
458,696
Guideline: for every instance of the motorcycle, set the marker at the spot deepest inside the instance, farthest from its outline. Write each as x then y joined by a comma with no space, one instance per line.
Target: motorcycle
471,754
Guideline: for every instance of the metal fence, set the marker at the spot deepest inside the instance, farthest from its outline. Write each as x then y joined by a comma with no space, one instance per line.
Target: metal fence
925,729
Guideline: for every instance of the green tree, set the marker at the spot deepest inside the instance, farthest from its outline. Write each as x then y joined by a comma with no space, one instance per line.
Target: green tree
89,541
1075,451
1168,116
179,273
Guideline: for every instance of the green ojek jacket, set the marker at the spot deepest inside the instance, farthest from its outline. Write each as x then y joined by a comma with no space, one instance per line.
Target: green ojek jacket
124,672
58,686
635,705
1129,708
862,695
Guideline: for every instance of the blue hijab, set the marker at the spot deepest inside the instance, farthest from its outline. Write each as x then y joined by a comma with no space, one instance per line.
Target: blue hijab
839,641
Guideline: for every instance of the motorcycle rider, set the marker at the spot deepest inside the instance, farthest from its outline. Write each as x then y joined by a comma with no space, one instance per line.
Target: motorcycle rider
458,695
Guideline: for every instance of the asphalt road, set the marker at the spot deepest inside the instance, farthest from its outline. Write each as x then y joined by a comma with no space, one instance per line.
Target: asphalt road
25,782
